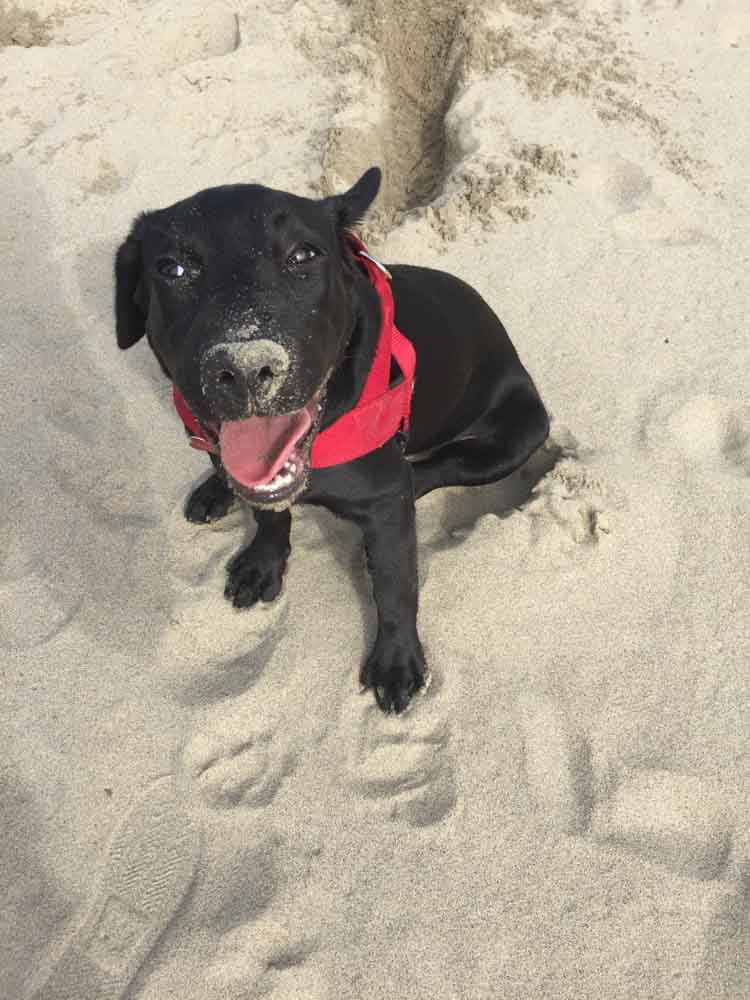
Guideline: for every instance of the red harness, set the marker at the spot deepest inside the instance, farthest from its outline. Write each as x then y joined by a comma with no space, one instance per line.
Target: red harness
381,411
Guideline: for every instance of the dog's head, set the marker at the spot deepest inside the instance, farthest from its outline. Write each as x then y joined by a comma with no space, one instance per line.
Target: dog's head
244,295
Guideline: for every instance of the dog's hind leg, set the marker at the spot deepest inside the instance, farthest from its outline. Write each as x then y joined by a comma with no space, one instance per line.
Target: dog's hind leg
507,436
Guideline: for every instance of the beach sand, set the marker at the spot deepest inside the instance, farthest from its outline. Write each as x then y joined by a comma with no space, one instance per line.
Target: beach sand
197,802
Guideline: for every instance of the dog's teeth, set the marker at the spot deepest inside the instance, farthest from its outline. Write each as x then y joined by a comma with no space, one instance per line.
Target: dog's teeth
281,480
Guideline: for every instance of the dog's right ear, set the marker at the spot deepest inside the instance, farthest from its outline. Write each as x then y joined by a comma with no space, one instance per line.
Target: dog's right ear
130,318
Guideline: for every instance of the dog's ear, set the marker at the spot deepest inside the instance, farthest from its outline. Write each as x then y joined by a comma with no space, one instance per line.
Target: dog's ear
130,315
351,207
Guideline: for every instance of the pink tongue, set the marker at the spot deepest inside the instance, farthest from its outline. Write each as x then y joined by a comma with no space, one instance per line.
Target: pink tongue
254,450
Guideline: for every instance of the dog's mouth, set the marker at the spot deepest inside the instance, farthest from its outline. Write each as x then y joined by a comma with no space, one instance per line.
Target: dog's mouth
266,459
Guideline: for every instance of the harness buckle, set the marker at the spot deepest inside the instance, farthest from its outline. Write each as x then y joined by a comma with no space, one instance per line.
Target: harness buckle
382,267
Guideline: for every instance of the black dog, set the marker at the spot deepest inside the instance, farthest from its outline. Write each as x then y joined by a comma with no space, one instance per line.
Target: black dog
267,316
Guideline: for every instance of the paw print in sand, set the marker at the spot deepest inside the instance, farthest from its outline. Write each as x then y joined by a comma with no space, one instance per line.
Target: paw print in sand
208,650
402,765
232,764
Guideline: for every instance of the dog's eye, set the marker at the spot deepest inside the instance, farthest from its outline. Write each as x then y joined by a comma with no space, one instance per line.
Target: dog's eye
301,254
168,267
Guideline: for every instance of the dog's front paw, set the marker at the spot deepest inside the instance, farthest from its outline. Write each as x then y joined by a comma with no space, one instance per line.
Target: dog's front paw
210,501
255,574
395,670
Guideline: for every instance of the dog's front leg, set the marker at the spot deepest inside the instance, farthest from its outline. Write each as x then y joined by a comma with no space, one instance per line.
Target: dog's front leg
213,499
256,572
210,501
395,668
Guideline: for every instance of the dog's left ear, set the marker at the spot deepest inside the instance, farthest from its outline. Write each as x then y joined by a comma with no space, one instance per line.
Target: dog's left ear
351,207
130,316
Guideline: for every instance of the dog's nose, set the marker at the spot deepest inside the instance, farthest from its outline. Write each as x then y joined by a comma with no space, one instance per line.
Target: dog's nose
239,376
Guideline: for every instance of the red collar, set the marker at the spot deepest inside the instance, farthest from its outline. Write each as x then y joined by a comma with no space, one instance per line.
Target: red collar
381,410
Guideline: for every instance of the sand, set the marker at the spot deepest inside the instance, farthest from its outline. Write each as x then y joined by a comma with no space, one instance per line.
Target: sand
197,802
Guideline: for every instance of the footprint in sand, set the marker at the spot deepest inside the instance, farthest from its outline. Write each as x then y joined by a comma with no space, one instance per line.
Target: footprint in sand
552,513
685,828
564,521
636,212
619,183
209,650
267,953
230,763
714,431
403,765
681,821
656,223
657,845
559,507
556,765
46,610
148,870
